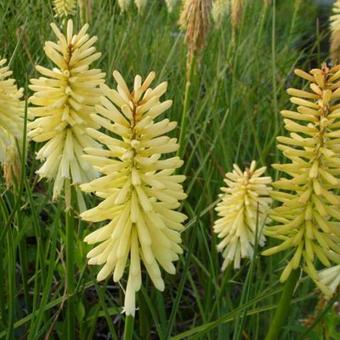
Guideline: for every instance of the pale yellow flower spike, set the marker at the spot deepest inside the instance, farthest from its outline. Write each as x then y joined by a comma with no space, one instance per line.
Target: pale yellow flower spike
335,33
124,5
308,218
141,4
242,210
139,186
66,97
170,4
64,8
11,124
220,10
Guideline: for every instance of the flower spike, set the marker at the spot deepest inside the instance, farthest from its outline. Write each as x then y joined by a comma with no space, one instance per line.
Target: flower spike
335,33
242,211
308,219
65,98
64,8
139,187
11,124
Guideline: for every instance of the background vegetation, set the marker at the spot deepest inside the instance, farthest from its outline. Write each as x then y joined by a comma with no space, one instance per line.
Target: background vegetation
236,95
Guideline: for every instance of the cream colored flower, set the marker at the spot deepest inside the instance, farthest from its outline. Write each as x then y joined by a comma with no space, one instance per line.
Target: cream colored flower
139,186
124,4
11,123
335,18
64,8
335,32
242,211
308,217
65,98
140,5
329,280
220,10
170,4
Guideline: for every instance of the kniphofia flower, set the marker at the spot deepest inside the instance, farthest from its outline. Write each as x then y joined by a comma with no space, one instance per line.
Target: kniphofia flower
140,5
11,123
139,187
308,218
242,211
64,8
170,4
220,10
65,98
124,4
335,32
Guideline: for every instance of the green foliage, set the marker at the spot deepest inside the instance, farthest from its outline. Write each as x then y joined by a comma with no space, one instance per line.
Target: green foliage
235,98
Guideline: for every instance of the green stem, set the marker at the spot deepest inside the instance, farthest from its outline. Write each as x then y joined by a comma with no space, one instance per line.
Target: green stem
282,310
190,68
70,272
128,329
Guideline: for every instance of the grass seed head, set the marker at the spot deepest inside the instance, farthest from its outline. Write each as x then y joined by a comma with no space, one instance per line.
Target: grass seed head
139,187
64,99
11,124
307,218
242,211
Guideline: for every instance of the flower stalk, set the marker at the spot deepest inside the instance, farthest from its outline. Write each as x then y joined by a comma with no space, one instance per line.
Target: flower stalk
128,327
282,310
70,268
